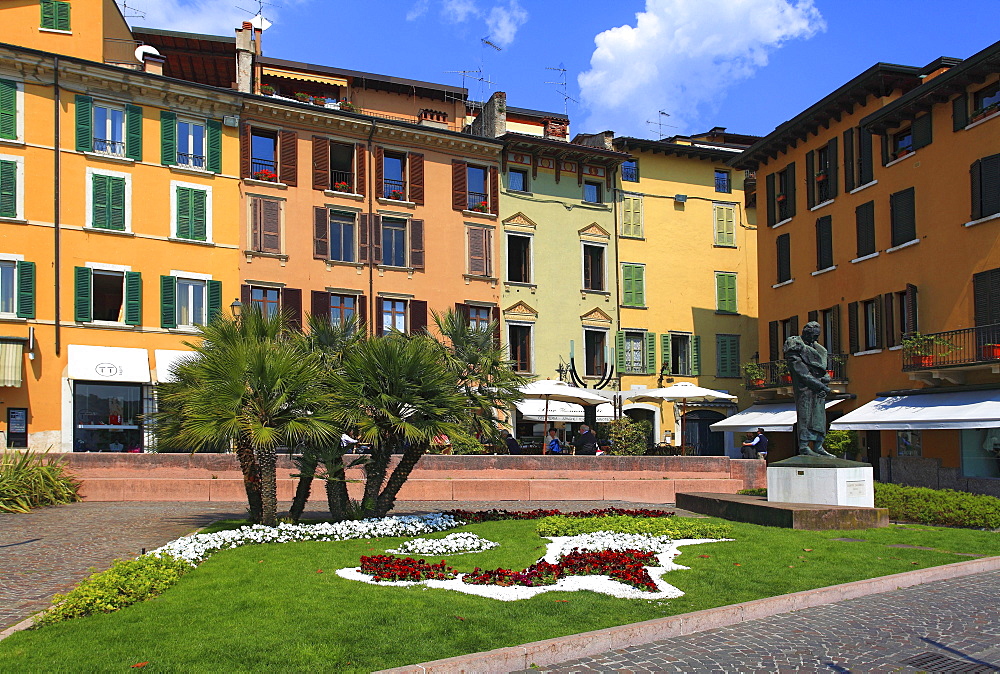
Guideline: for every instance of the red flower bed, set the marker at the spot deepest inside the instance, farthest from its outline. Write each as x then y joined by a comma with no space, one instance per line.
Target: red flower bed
627,566
539,573
387,567
475,517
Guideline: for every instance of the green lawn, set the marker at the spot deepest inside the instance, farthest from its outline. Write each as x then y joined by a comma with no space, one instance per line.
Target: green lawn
267,608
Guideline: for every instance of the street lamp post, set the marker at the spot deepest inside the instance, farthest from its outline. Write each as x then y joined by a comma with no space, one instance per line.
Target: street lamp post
237,308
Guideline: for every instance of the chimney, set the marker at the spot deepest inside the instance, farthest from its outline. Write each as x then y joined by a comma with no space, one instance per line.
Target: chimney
244,57
492,119
153,63
603,140
434,118
556,128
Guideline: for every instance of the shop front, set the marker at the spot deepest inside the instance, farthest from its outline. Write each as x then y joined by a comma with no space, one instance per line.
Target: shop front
111,393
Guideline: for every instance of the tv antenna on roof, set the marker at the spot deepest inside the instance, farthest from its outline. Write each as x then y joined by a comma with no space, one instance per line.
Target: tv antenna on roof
487,43
258,21
561,87
476,75
658,123
129,12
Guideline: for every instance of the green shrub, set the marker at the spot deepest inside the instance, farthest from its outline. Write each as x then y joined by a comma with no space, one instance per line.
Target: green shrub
944,507
30,479
759,491
466,444
628,437
842,443
675,527
125,583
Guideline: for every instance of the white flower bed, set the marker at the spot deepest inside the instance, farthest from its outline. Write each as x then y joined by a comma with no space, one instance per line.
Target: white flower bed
452,544
197,547
666,550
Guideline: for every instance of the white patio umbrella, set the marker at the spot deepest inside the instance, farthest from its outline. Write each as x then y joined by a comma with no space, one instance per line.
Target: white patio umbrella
548,389
683,391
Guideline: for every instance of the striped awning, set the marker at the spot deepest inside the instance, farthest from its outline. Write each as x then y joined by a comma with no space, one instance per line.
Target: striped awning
307,77
11,359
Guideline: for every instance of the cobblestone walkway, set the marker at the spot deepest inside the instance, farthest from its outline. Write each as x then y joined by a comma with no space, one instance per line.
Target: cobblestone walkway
953,624
52,549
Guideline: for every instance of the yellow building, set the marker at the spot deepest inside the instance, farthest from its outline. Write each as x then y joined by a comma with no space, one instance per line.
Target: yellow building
118,232
687,255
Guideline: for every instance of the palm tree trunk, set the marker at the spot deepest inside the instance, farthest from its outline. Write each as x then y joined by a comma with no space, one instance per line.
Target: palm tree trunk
387,499
251,478
268,486
307,471
336,483
375,474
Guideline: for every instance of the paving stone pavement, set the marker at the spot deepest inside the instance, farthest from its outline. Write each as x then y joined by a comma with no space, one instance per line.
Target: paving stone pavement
52,549
955,619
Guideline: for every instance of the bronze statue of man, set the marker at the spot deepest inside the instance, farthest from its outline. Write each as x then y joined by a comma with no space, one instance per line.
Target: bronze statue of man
807,362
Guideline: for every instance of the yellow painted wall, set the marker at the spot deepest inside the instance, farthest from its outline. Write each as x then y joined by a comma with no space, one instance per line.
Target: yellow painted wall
90,22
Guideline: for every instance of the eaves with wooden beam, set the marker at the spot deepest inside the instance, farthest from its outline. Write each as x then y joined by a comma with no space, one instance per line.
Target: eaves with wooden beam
562,150
693,150
879,80
939,89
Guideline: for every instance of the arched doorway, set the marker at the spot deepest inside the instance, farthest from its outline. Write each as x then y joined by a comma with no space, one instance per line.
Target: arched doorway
698,434
644,412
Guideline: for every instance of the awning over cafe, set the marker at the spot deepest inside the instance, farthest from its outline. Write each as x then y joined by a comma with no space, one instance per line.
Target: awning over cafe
534,410
165,359
925,411
108,363
11,360
774,418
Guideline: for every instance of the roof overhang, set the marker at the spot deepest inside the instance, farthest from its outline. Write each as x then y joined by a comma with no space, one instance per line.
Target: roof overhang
930,411
773,418
561,149
694,150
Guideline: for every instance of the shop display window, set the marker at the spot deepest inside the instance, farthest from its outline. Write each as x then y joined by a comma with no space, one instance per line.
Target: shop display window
107,417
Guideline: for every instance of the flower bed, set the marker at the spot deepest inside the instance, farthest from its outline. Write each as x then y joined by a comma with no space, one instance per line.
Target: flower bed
452,544
389,568
627,566
674,527
496,515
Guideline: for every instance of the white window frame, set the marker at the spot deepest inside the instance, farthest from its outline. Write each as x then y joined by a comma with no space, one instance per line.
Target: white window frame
18,186
397,223
642,215
18,111
331,213
180,275
607,346
604,271
174,184
715,206
204,142
110,107
116,268
531,343
690,353
89,188
531,256
14,259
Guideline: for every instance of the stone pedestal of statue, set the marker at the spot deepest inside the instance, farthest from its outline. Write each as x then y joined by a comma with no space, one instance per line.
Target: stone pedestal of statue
821,480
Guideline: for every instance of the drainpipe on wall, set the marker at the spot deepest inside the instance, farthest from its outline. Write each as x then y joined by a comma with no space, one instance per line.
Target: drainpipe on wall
371,240
56,169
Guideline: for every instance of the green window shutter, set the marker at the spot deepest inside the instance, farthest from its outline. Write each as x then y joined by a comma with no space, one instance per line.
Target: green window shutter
960,112
695,355
923,131
650,343
183,213
116,205
834,170
168,138
62,15
810,179
790,173
25,289
721,356
725,292
84,123
720,292
133,132
213,131
665,358
48,14
620,351
628,285
199,215
975,173
101,195
639,285
902,207
849,172
8,109
168,302
866,168
8,189
133,298
771,204
214,300
82,294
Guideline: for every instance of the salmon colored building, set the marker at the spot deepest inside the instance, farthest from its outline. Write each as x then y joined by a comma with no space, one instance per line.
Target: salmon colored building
882,205
117,235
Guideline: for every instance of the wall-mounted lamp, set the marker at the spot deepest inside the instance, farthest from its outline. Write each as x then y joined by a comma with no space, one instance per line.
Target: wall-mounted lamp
237,308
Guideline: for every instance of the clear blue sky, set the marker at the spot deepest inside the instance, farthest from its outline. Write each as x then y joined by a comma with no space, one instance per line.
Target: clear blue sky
744,64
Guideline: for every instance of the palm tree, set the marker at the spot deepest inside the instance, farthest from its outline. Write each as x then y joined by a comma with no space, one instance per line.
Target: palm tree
248,386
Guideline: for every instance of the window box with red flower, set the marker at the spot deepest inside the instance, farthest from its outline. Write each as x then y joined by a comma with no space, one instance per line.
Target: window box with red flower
481,207
266,175
341,187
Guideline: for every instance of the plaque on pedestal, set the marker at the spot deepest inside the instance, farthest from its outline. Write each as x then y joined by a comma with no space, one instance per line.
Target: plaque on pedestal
821,480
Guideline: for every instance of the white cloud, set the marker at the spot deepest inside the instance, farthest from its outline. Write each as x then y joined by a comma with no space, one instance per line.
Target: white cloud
682,55
212,17
418,10
503,22
458,11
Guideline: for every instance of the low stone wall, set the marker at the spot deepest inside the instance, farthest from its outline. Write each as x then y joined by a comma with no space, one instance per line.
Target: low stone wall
917,471
217,477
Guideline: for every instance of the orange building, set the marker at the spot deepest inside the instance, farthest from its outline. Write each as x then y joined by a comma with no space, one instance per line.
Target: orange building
882,203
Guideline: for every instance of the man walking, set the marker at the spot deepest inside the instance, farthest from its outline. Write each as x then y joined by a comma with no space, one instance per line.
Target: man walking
754,448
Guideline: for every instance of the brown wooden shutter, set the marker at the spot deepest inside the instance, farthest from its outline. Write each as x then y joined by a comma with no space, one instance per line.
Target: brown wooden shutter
976,175
534,165
910,299
960,112
494,191
256,222
854,343
245,150
463,311
417,244
771,210
379,172
773,347
496,326
885,148
810,179
418,317
834,346
361,161
833,168
416,164
320,305
902,215
477,251
362,304
989,172
791,189
813,316
321,233
291,306
459,185
288,165
922,131
321,163
245,296
579,173
890,320
363,226
849,183
865,169
270,226
376,241
793,324
377,315
878,322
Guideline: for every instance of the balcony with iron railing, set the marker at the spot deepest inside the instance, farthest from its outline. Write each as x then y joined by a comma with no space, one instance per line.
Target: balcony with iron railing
394,189
264,169
630,174
195,160
342,181
723,183
479,202
114,148
953,351
774,374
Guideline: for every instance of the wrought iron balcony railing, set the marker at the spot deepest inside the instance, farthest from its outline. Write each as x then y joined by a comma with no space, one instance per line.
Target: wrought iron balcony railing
478,201
115,148
393,189
952,348
775,373
630,174
196,160
340,179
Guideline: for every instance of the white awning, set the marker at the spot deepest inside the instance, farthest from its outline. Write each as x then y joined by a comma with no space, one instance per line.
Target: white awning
108,363
925,411
165,359
534,410
776,418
